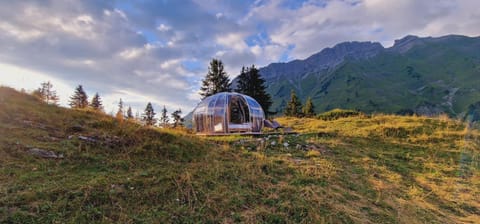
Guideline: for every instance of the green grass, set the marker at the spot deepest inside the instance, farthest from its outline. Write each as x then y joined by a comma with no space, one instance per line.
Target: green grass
376,169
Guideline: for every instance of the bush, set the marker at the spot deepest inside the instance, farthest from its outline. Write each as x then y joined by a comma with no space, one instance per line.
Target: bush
338,113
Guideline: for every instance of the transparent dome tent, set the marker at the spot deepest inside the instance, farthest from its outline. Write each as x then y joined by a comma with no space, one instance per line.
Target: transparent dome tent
226,113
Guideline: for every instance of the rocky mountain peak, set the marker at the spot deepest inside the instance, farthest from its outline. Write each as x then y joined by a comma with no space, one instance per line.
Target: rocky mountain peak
353,50
325,59
405,40
406,43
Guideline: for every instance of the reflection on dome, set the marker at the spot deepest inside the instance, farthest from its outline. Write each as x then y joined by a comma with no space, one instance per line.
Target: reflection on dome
228,112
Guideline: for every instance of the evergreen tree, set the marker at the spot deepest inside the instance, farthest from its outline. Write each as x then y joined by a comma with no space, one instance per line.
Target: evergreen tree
252,84
79,98
46,93
149,115
294,106
120,114
216,80
164,118
177,118
129,113
96,103
309,109
243,81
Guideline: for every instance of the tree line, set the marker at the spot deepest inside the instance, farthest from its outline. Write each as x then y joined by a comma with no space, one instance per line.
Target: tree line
251,84
79,100
294,107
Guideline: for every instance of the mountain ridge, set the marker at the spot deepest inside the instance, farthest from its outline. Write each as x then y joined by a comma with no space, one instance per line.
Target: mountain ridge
423,75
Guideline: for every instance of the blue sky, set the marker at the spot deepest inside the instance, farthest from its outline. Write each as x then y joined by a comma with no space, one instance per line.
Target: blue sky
158,50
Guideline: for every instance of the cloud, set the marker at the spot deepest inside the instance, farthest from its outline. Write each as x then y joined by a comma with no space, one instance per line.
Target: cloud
100,49
159,51
315,25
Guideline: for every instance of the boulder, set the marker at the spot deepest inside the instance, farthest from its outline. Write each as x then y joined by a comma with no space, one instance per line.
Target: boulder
45,153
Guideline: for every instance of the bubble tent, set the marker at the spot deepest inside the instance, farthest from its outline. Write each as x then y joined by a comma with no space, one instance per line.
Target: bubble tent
228,113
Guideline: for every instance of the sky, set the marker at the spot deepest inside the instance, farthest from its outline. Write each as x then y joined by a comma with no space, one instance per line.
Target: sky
158,50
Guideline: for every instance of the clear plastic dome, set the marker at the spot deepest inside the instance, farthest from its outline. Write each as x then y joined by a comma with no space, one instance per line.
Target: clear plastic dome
228,112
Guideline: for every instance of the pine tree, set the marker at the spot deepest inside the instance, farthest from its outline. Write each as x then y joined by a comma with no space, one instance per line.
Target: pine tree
120,114
243,80
177,118
46,93
309,109
149,115
129,113
216,80
96,103
164,118
294,106
79,98
252,84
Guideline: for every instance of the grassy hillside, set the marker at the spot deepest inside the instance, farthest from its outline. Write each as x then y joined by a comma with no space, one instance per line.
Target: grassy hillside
380,169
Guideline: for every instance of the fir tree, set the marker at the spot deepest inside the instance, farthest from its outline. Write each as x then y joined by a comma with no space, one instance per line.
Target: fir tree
252,84
46,93
129,113
294,106
164,118
177,118
216,80
308,109
149,115
96,103
79,98
120,113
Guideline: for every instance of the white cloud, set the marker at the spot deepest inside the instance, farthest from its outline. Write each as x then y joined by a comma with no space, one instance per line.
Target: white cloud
234,41
139,51
22,35
131,53
163,27
313,27
121,14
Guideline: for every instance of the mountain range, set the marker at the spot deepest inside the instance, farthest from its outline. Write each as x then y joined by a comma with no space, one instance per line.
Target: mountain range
426,76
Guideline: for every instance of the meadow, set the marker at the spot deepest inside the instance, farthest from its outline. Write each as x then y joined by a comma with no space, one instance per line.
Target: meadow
353,169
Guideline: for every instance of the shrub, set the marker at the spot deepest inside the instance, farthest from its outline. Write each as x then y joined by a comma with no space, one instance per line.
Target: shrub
338,113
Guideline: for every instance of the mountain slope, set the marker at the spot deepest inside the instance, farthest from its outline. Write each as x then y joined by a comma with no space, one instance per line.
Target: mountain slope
378,169
422,75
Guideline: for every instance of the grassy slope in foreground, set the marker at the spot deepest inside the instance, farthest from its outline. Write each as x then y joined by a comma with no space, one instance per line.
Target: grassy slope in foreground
367,170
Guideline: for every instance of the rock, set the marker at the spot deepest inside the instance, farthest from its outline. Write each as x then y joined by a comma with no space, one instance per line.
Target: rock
321,148
44,153
297,160
75,128
87,139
